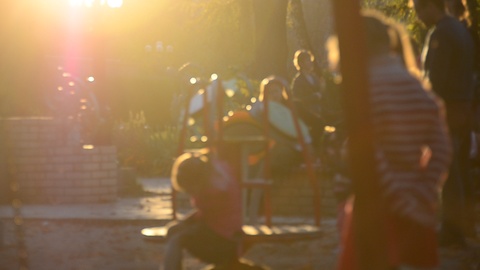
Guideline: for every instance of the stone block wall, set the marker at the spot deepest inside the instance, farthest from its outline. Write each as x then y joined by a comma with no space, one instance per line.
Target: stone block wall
50,168
292,196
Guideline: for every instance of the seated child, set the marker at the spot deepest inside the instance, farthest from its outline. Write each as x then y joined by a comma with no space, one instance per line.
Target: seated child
212,232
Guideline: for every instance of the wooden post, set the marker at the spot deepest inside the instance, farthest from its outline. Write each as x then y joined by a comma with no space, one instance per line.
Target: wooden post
368,219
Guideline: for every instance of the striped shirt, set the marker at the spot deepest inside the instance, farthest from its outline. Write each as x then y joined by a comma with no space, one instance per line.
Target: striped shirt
411,140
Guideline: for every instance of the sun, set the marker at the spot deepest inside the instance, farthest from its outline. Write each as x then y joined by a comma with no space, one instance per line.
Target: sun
91,3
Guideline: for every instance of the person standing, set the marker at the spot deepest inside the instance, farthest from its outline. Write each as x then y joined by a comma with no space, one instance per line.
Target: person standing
459,10
412,153
448,64
307,90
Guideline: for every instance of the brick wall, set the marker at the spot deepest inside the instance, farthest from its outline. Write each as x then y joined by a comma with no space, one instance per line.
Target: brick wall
292,195
52,167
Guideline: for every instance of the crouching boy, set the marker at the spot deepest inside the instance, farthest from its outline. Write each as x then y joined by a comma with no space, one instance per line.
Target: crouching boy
212,231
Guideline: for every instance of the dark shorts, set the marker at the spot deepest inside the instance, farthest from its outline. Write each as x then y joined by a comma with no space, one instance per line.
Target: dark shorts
205,244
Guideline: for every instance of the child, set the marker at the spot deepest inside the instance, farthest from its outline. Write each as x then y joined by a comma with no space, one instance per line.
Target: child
212,232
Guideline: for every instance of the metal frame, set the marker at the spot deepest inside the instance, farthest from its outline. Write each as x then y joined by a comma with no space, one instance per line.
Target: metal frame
218,139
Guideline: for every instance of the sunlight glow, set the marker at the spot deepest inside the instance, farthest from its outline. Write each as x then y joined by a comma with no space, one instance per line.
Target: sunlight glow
329,129
114,3
230,93
88,146
90,3
91,79
75,3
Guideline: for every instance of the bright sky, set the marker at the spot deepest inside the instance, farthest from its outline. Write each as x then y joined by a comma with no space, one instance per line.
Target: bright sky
90,3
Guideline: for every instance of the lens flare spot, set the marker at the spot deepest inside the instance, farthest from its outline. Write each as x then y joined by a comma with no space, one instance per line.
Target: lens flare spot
329,129
230,93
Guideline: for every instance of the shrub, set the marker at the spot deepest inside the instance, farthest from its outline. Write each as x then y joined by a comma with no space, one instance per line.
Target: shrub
149,150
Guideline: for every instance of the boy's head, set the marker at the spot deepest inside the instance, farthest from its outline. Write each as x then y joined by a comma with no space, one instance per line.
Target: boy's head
378,33
429,11
458,9
303,60
191,172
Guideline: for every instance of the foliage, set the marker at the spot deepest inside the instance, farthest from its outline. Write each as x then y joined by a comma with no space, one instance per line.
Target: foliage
150,151
401,11
217,29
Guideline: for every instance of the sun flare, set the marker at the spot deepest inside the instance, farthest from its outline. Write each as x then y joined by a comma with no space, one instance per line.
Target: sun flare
91,3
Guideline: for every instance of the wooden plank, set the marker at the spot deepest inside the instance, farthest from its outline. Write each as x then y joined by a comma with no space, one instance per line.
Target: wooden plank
254,233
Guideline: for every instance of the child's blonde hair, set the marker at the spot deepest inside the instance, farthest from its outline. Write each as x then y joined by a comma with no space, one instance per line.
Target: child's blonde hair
271,80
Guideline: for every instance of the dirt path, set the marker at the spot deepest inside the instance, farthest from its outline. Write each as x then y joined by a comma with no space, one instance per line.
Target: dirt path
84,246
60,245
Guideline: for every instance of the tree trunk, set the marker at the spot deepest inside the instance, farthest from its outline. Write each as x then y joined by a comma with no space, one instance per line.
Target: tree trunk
368,218
271,49
319,23
299,27
247,28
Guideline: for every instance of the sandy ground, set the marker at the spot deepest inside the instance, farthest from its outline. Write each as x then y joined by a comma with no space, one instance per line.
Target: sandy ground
118,245
68,245
62,245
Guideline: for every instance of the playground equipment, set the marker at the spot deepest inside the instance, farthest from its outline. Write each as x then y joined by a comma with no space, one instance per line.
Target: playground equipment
251,139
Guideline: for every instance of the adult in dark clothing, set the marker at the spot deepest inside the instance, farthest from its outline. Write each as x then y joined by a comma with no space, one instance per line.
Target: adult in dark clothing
448,63
307,90
459,10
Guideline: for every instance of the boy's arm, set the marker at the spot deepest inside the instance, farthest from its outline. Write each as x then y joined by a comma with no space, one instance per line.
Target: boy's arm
440,147
191,216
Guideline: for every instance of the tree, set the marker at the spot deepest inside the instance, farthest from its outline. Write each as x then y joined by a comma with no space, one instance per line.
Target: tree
271,49
401,11
318,18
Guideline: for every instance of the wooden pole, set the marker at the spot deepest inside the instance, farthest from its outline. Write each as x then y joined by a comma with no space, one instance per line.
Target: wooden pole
368,219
